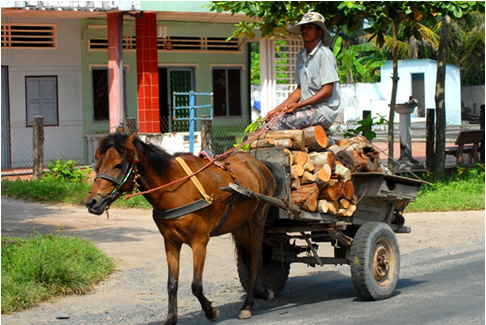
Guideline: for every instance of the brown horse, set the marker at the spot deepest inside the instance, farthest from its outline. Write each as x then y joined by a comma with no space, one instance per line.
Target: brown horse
124,161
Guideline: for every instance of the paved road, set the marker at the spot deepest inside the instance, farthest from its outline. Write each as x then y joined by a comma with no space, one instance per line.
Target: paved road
441,281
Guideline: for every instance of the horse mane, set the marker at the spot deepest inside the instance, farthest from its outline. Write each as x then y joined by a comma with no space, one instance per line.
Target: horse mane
157,157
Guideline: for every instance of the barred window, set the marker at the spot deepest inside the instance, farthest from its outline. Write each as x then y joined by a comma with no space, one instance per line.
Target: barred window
28,36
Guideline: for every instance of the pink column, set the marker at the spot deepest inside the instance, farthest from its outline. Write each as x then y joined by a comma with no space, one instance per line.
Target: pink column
147,74
114,69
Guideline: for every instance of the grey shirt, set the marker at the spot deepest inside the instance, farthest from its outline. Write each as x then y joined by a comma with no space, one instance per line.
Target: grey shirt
315,71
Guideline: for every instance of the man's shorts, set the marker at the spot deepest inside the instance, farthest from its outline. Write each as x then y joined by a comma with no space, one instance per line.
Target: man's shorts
301,119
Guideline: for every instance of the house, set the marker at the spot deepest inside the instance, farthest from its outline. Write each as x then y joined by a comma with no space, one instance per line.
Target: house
64,63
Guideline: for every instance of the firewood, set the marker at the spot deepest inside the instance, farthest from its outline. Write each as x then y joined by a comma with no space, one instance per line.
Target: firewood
343,172
295,184
322,206
306,197
315,138
347,189
283,143
343,203
348,142
263,143
300,157
322,158
296,171
309,166
297,136
342,212
288,153
307,178
323,176
351,210
332,191
333,207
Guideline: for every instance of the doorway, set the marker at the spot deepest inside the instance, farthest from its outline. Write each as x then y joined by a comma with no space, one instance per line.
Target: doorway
171,80
5,120
418,92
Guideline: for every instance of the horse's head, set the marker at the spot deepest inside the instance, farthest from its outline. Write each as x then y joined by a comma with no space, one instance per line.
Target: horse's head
116,155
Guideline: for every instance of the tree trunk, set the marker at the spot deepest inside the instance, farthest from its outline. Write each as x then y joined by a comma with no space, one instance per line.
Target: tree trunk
439,159
391,117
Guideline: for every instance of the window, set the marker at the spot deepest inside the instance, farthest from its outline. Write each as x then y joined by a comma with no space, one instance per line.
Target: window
41,98
101,95
28,36
227,91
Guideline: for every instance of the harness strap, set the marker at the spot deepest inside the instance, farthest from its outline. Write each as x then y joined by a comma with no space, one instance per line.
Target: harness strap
181,211
234,197
194,179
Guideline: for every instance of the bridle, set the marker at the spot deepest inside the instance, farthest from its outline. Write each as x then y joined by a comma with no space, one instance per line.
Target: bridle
125,173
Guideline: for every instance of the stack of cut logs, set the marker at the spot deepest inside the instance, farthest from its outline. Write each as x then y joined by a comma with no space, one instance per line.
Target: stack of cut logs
321,174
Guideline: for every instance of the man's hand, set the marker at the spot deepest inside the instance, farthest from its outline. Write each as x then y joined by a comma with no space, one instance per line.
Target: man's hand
274,112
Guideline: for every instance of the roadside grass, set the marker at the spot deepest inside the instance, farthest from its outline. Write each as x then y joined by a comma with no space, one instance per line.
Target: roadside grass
462,189
61,191
42,267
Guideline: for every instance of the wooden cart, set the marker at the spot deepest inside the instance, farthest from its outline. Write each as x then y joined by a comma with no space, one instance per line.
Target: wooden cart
366,240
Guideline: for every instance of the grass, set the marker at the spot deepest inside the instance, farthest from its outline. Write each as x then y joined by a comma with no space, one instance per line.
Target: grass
462,189
45,266
60,191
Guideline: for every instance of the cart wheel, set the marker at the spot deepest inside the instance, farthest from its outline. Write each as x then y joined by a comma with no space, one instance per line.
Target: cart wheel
375,261
274,275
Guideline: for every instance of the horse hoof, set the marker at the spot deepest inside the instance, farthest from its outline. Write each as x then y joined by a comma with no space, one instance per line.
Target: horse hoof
245,314
270,294
215,315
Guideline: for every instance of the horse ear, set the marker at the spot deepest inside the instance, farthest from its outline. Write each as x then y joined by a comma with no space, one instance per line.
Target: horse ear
133,136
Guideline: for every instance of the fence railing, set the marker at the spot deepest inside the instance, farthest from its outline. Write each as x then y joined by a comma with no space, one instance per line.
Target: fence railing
71,140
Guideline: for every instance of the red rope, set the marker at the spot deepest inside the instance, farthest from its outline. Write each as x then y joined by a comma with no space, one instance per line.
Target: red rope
265,128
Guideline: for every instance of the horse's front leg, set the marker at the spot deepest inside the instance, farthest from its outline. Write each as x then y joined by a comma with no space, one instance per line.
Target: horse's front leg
199,258
172,251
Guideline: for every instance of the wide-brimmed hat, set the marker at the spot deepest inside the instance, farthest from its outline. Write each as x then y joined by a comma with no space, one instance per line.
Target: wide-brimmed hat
313,18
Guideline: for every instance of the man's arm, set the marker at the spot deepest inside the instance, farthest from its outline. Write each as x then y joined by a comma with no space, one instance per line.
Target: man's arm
324,93
293,98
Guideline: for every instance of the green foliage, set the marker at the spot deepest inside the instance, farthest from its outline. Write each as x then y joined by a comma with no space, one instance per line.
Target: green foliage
366,125
65,170
461,190
358,63
46,266
252,127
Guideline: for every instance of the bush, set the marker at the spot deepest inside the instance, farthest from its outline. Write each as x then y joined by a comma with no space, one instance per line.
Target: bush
65,170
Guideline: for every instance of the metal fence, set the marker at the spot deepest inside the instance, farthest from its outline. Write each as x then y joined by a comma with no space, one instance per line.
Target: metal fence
71,140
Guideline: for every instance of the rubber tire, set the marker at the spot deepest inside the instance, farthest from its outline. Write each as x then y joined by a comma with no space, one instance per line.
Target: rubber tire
371,280
274,274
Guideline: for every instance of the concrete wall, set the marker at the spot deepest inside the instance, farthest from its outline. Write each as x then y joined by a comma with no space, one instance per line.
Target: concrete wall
473,97
63,62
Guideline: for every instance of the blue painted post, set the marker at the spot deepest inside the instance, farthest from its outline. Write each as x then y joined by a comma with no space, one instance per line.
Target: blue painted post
192,110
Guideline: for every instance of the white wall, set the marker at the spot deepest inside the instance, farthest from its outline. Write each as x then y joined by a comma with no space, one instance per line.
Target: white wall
429,68
63,62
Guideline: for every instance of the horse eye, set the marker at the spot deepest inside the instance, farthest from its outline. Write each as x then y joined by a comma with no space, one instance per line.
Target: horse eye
118,166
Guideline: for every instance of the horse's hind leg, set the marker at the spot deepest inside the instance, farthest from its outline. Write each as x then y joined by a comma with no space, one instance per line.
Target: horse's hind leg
257,223
172,251
199,257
